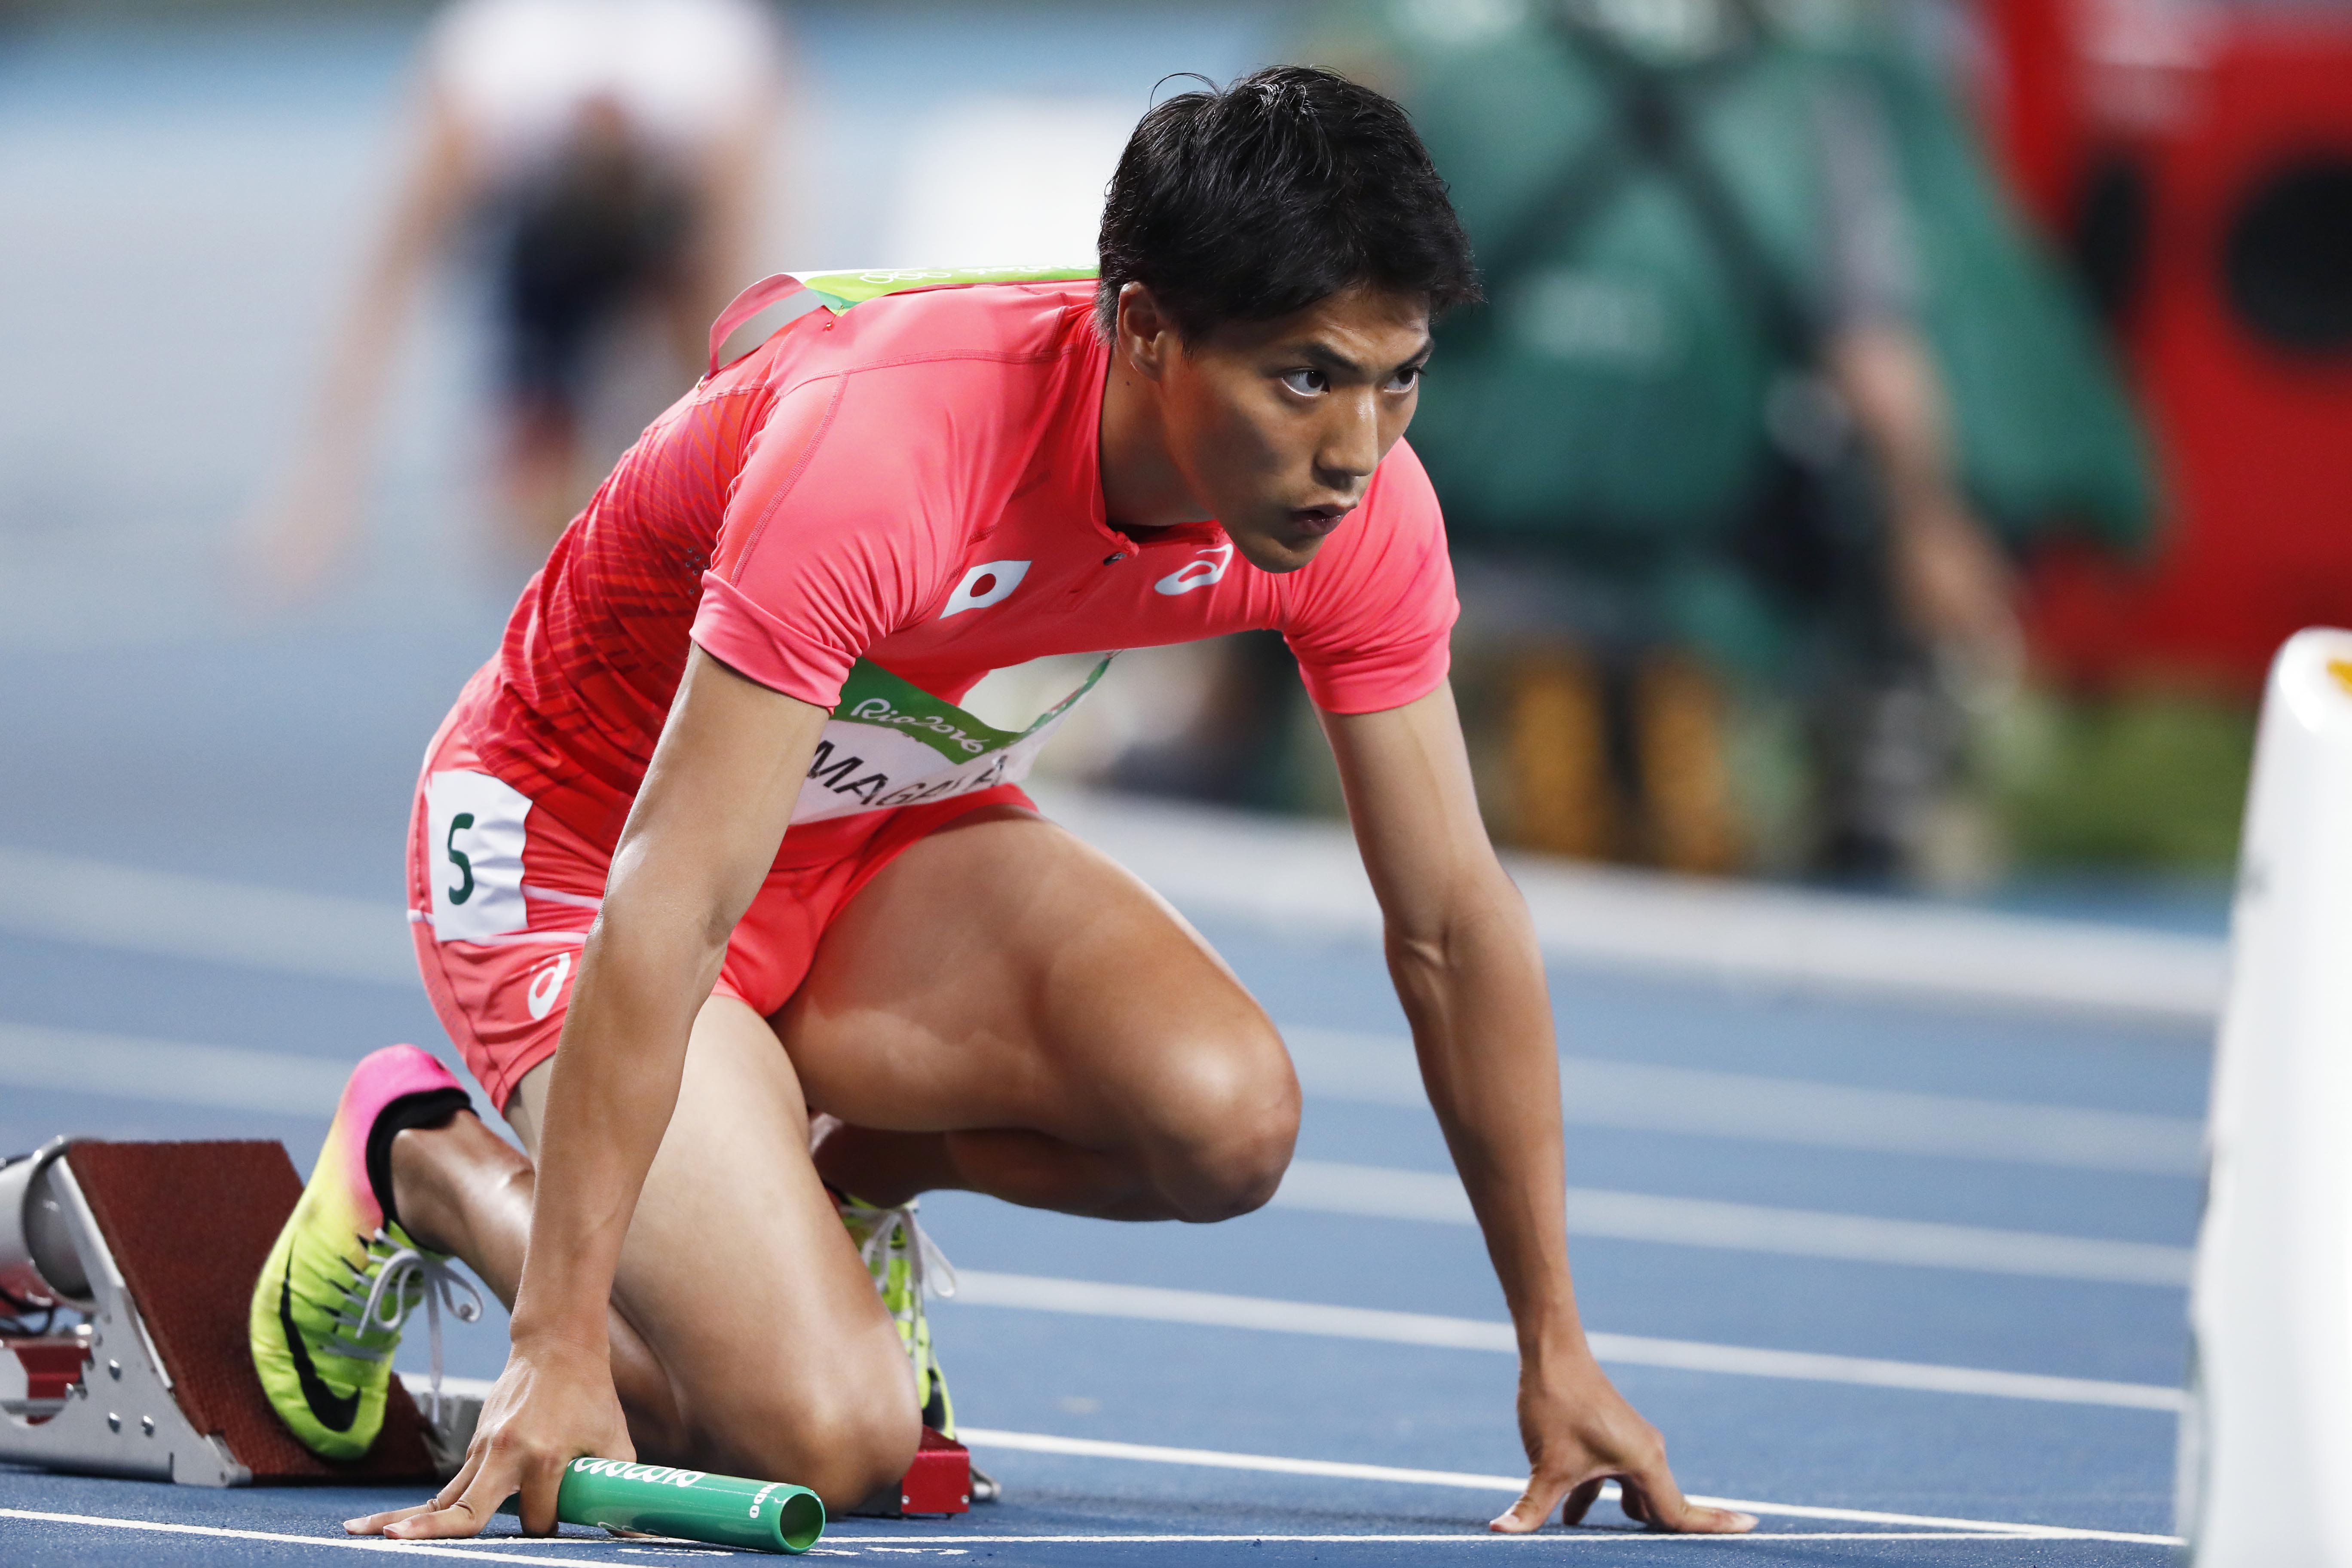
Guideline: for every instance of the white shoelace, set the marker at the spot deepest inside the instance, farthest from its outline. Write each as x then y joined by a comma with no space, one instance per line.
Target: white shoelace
927,1266
437,1284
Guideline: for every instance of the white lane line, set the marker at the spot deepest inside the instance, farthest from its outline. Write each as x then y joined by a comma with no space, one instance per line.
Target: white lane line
65,898
498,1551
1304,878
344,1543
1385,1192
911,1541
1295,876
1379,1069
71,899
1210,1458
1205,1308
177,1072
1548,1537
277,1082
919,1538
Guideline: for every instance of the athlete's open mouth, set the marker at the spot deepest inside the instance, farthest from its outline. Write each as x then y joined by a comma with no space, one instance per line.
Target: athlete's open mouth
1317,520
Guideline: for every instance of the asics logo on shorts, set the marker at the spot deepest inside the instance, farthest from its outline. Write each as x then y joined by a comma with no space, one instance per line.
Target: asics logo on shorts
1197,573
989,582
547,984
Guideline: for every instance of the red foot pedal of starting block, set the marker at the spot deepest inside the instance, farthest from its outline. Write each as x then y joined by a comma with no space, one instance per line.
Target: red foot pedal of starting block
46,1369
939,1482
173,1237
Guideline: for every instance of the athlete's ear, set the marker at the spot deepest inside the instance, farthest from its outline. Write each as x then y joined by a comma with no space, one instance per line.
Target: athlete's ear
1146,335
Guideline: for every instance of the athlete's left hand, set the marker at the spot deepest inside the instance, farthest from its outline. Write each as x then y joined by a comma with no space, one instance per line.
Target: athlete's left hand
1580,1433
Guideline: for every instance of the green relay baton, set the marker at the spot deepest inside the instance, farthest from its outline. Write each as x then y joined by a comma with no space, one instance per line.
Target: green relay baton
693,1505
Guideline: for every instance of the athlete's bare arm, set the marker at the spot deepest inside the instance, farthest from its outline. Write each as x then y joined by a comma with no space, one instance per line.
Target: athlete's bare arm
1464,955
312,519
704,830
1951,579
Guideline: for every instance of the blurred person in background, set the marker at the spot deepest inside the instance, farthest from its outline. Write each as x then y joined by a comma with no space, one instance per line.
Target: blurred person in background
1770,389
604,161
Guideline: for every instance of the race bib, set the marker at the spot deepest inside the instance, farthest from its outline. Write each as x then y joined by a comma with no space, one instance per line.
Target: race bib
475,824
891,743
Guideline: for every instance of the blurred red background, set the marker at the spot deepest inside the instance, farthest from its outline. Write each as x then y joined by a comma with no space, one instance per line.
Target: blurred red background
2198,161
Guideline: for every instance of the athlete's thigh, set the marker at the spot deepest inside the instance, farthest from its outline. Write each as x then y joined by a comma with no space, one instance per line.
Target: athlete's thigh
738,1277
1001,973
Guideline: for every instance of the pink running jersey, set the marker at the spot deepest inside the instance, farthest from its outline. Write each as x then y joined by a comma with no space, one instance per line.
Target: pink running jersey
915,482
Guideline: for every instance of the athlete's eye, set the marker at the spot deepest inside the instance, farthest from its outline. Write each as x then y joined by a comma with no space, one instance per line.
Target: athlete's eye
1404,380
1305,383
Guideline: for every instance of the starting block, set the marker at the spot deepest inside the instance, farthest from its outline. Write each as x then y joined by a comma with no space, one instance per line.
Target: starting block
158,1382
938,1482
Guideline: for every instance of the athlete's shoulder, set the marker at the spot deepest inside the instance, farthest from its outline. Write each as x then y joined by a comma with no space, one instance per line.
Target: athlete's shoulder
1400,511
1370,616
1391,552
1402,483
910,321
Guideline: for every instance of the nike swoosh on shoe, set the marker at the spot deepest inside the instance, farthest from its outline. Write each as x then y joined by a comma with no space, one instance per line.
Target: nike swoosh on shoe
335,1412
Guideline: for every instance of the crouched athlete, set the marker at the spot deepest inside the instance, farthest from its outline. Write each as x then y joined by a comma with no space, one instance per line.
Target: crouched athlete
766,619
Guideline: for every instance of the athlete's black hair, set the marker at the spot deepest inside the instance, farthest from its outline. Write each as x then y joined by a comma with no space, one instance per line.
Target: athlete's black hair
1285,187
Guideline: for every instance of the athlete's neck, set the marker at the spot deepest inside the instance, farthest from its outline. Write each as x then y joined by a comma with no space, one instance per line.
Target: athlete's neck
1142,487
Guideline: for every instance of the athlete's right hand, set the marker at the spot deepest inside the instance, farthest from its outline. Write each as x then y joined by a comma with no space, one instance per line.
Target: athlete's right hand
552,1403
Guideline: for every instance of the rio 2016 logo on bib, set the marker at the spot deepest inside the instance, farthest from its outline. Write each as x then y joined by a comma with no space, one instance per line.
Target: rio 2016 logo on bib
890,743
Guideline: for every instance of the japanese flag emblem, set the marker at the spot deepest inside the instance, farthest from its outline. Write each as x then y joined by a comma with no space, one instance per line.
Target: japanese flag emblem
989,582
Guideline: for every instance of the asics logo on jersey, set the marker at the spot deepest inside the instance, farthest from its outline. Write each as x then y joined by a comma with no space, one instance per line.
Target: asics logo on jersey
1197,573
989,582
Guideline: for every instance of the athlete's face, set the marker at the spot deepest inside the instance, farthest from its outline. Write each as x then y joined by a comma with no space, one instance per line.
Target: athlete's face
1276,426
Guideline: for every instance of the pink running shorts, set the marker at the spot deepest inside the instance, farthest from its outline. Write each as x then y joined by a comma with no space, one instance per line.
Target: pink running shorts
501,994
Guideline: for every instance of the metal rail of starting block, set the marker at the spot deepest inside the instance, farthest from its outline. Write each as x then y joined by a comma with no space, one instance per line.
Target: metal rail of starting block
100,1401
157,1383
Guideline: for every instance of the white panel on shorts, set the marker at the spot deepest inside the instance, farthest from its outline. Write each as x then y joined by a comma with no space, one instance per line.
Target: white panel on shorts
474,854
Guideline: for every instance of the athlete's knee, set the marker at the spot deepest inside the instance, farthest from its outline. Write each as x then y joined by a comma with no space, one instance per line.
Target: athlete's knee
1232,1124
843,1437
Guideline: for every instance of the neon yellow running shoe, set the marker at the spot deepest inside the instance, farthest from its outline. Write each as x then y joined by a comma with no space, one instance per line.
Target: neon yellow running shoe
342,1280
906,1265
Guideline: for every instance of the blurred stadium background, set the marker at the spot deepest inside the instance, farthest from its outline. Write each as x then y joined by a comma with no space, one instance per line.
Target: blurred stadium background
2080,316
2160,187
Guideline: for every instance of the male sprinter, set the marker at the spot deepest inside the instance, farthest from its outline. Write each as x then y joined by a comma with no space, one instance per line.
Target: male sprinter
766,617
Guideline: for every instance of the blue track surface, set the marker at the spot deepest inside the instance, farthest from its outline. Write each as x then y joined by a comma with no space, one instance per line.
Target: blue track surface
210,184
325,815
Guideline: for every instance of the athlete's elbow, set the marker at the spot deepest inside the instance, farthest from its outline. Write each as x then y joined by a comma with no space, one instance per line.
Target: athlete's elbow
1478,916
676,929
663,886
